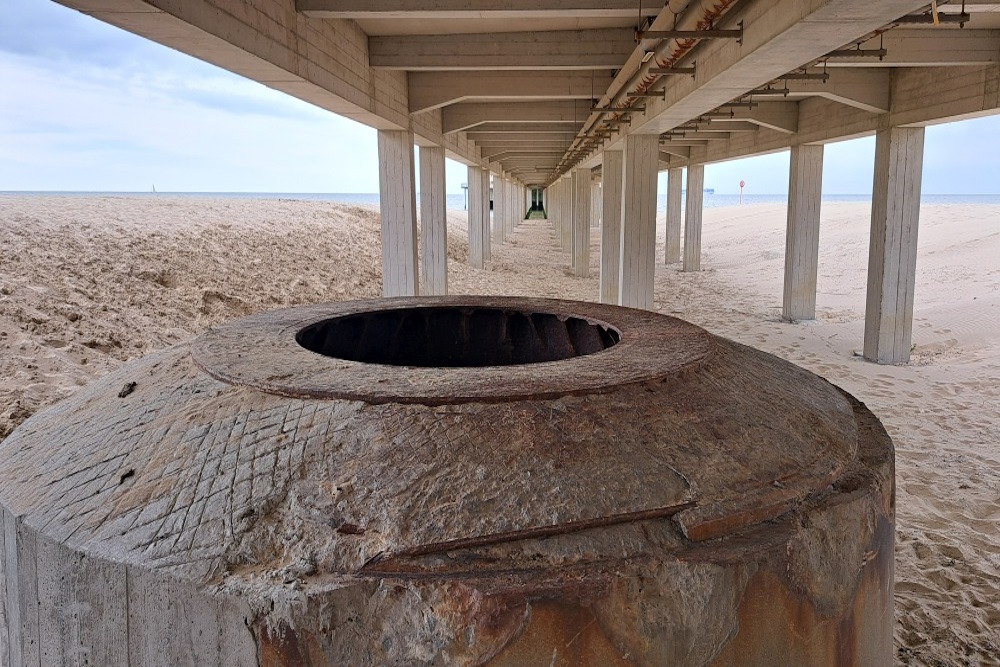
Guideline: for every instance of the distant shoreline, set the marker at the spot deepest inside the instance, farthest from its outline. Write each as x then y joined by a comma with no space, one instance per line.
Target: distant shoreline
457,201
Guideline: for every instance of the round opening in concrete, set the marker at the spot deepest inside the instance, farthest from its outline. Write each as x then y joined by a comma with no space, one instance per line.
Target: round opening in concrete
456,337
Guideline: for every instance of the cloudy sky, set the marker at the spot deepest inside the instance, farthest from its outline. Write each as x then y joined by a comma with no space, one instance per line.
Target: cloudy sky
85,106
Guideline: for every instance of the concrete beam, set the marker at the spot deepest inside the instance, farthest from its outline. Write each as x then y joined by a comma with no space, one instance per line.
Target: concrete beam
892,253
486,137
528,145
865,89
568,127
958,92
780,116
682,144
482,9
432,90
729,126
938,47
500,152
491,151
778,36
805,191
398,206
458,117
667,151
541,160
433,222
702,136
605,48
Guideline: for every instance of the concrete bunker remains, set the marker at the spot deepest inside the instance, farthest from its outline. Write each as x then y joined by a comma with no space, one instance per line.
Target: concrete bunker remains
456,337
673,498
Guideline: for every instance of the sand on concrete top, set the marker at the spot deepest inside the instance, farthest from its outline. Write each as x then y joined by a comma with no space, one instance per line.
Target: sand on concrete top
87,283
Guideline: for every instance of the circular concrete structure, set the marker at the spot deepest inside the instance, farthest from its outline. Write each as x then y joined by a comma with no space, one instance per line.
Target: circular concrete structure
450,481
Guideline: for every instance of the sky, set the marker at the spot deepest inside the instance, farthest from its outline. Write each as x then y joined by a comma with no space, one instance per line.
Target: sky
85,106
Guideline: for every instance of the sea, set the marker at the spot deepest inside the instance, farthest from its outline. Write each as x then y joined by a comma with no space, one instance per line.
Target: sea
458,201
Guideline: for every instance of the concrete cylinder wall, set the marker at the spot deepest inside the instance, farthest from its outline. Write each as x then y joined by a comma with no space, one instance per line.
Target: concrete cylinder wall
242,500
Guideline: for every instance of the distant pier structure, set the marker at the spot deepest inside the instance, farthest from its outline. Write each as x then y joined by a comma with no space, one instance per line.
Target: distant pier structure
556,94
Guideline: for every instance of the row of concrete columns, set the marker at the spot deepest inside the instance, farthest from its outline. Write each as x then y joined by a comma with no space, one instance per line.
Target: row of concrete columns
892,250
627,210
508,206
397,203
626,207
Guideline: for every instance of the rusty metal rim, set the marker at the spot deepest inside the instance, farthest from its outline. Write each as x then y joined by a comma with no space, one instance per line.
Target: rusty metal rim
261,352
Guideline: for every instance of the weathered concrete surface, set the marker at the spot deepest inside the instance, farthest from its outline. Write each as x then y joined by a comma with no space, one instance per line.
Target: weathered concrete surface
717,506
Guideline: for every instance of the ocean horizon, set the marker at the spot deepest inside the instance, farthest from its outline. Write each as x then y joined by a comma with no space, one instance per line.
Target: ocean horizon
458,201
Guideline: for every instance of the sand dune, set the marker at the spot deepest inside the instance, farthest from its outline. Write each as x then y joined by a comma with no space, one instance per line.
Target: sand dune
87,283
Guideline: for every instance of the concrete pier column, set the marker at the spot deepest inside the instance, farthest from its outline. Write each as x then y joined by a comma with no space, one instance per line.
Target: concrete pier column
487,217
638,263
692,217
477,195
611,226
552,208
566,212
596,204
556,214
398,207
675,183
581,222
513,195
433,222
892,253
499,210
805,189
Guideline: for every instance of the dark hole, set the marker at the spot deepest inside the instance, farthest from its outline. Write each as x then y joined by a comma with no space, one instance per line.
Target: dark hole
454,337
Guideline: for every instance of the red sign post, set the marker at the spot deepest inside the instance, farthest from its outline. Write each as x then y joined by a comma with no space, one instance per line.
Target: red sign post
742,183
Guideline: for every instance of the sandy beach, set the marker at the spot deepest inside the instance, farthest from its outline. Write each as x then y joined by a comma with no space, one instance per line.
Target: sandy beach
87,283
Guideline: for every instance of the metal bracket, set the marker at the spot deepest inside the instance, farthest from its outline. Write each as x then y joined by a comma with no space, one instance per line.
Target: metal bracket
712,33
